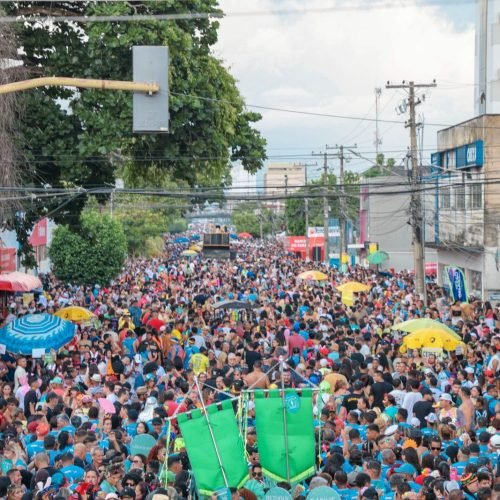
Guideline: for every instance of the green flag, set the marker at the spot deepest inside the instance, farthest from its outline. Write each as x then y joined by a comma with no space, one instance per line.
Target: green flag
280,429
202,448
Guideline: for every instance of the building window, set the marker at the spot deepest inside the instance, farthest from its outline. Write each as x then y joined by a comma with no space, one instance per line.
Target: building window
445,198
460,198
476,284
476,196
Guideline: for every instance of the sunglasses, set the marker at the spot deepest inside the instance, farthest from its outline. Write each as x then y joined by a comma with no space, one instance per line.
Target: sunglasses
257,474
436,448
140,462
130,485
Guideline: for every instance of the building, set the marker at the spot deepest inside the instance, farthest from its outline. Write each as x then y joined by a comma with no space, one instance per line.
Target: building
487,58
385,219
281,179
467,203
40,239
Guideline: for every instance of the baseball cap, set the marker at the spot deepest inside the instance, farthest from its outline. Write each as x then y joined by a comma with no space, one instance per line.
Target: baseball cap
469,370
495,441
57,380
431,418
95,378
445,397
450,486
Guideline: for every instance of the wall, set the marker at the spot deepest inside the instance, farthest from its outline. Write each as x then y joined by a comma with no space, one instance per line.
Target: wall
388,216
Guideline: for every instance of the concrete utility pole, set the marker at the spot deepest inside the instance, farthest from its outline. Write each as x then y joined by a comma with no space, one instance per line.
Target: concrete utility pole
326,235
342,206
415,205
306,205
286,199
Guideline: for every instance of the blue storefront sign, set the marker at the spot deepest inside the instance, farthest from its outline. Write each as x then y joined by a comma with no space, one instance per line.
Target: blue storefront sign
466,156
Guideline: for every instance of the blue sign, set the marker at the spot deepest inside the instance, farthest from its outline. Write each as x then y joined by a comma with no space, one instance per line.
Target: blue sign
436,159
469,155
458,287
292,402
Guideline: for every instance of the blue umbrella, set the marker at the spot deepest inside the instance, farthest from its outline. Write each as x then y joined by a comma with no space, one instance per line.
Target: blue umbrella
196,237
36,331
233,236
182,239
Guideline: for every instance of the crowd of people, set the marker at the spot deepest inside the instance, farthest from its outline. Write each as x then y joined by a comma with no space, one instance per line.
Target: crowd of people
389,424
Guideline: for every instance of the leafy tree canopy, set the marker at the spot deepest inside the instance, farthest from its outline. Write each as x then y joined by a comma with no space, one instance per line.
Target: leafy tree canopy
93,254
251,217
295,208
381,167
80,137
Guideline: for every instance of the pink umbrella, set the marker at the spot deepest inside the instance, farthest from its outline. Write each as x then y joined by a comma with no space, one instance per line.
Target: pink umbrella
19,282
107,406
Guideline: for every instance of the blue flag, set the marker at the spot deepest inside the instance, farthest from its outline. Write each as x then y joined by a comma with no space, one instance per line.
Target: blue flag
458,287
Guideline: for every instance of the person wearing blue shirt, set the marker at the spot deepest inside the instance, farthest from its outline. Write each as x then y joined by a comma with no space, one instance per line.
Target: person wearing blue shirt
71,472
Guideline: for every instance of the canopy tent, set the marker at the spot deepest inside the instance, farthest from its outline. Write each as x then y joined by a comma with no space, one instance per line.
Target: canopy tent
19,282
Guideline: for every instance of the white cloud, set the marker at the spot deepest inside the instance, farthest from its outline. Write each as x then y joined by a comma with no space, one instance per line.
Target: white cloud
331,63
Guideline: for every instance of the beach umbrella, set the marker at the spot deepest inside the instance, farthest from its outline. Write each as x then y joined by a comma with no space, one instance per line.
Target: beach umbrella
196,237
36,331
195,248
353,287
415,325
245,236
181,239
189,253
377,257
233,236
431,337
75,313
313,276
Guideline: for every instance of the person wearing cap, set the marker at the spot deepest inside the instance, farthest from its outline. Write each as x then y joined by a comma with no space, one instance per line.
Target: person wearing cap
445,409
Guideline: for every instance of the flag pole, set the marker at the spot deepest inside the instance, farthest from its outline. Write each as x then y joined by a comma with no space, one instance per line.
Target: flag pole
211,432
283,403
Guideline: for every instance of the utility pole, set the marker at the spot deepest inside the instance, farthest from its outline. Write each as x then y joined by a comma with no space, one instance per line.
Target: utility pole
378,140
415,204
286,199
306,205
326,235
342,207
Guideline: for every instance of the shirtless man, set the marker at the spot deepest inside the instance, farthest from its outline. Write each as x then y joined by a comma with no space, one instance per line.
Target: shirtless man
257,379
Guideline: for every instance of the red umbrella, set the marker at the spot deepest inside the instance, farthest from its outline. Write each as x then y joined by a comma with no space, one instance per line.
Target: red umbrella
19,282
245,236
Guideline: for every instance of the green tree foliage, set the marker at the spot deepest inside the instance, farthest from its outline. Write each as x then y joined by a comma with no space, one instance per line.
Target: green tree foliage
381,167
80,137
93,254
248,218
296,207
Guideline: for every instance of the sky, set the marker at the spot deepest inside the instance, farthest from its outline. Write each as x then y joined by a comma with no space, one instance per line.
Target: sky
330,62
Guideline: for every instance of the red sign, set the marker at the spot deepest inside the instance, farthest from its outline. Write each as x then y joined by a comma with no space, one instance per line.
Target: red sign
298,243
8,260
39,235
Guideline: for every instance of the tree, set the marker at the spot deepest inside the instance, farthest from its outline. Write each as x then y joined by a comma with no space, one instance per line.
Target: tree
93,255
295,208
80,137
250,217
380,168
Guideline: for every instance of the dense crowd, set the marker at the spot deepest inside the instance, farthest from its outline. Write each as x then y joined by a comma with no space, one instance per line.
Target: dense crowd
389,424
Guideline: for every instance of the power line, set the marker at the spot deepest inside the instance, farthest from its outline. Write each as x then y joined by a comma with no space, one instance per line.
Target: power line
189,16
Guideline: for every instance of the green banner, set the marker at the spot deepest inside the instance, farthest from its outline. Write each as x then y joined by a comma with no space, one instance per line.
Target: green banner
280,429
202,450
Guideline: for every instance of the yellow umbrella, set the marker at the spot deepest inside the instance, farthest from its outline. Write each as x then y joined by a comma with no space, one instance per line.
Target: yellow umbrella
431,337
75,313
415,325
313,276
195,248
353,287
189,253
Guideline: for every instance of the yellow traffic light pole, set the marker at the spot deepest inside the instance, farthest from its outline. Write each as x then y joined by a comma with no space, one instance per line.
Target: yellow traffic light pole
84,83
